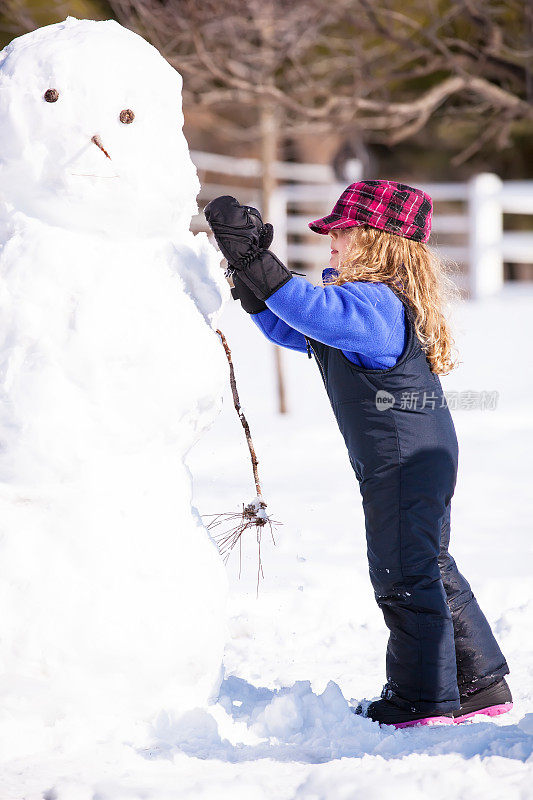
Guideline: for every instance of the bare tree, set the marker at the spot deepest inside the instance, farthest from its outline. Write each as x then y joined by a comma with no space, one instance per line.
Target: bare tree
380,69
15,19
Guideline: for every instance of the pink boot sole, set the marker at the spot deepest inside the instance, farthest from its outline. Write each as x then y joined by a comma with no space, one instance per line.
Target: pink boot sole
425,721
490,711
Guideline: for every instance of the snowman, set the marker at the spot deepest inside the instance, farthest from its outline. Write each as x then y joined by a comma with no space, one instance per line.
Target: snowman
111,591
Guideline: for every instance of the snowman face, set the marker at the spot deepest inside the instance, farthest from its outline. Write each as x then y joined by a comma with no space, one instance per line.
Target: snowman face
91,131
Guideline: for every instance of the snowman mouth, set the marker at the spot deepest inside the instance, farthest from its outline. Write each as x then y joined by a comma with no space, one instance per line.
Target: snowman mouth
91,175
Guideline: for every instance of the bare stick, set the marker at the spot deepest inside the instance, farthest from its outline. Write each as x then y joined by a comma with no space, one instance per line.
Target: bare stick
253,515
244,421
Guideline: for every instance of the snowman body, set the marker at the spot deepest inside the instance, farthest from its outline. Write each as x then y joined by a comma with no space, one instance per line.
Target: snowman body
110,370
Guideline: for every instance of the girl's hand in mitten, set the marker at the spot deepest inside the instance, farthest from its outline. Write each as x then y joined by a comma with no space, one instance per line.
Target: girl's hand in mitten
242,292
239,230
243,238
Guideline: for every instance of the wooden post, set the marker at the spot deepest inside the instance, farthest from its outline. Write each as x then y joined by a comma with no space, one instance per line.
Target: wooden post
485,235
268,185
278,218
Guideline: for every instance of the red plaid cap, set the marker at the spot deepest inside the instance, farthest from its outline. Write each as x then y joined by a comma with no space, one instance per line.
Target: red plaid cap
386,205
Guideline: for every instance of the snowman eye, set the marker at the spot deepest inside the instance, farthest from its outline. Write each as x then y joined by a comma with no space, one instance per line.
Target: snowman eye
126,116
51,95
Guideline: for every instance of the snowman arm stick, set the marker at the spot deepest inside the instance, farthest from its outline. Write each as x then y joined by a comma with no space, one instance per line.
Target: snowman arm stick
244,421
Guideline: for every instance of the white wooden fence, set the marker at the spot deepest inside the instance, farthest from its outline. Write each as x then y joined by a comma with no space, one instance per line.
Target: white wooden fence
467,228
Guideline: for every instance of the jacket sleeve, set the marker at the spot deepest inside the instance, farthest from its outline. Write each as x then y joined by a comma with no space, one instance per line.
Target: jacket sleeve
277,331
356,317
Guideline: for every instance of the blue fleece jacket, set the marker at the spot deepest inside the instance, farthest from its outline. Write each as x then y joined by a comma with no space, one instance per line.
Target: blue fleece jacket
364,320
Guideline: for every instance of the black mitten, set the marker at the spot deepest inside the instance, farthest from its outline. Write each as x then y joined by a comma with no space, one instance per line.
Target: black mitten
239,230
243,238
265,274
242,292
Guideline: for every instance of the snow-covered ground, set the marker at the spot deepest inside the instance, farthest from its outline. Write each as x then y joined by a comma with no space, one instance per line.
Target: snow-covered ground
314,638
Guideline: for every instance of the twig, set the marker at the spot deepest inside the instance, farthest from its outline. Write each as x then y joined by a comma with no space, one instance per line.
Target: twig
252,515
244,421
227,540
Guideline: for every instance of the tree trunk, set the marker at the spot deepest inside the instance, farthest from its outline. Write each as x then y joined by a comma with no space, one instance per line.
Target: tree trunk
268,183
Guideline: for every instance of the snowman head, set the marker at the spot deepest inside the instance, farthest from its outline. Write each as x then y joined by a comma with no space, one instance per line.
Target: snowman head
91,132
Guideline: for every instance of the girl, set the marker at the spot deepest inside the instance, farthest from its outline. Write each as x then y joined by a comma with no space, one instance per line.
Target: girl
378,334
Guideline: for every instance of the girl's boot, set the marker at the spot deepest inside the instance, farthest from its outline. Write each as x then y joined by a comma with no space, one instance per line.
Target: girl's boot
387,713
492,700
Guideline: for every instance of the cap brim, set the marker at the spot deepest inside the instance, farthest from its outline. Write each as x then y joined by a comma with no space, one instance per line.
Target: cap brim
325,224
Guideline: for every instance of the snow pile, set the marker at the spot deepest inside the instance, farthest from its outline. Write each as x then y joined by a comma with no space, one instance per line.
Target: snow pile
294,723
112,592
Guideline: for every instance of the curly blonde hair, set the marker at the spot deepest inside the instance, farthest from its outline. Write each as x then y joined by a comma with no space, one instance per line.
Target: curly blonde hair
416,274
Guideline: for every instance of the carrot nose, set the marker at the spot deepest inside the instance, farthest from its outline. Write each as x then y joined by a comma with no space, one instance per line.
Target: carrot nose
98,142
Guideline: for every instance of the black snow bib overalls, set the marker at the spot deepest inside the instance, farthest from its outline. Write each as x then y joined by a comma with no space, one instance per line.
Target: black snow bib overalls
403,448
